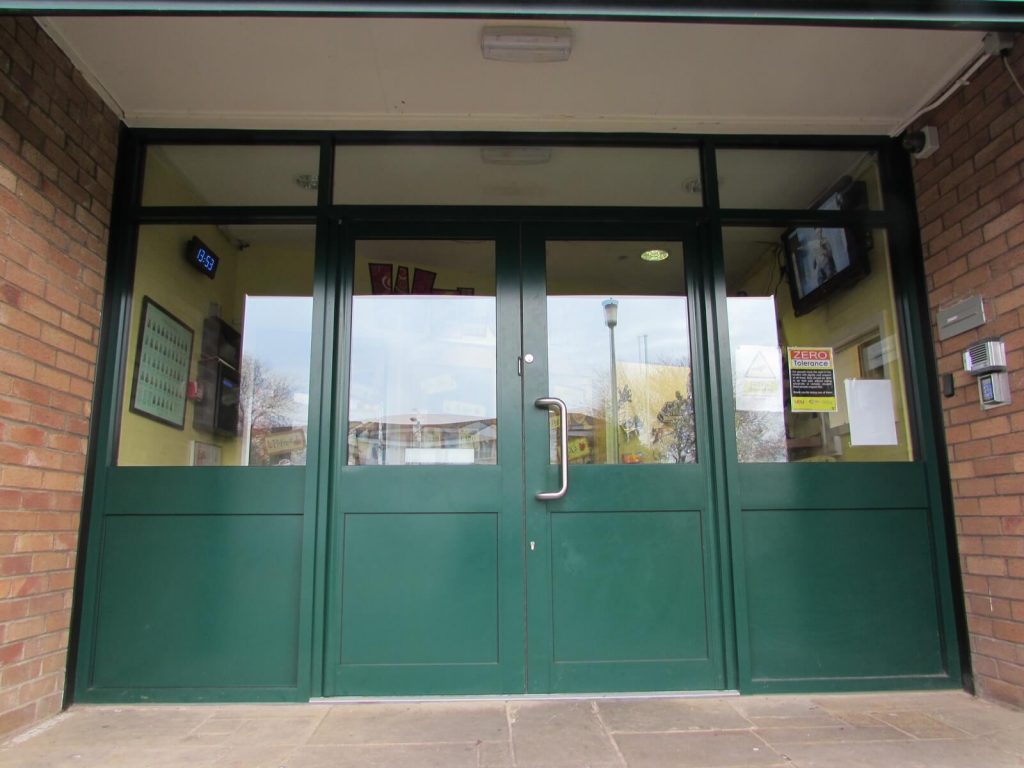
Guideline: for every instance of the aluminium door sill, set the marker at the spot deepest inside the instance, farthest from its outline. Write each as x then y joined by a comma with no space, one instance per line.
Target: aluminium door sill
522,697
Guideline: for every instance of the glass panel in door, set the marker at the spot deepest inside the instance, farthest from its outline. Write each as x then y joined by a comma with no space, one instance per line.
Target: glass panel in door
620,590
423,378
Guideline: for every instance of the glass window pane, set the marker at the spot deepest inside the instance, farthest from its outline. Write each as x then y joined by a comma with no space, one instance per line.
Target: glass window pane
423,386
219,349
798,179
816,376
188,174
618,324
473,175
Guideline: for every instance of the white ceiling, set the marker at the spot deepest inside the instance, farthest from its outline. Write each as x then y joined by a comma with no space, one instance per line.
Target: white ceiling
428,74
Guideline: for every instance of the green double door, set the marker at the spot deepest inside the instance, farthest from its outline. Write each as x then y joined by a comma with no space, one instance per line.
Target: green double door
521,499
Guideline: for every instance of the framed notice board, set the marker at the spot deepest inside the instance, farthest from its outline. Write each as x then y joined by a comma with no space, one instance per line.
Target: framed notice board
162,361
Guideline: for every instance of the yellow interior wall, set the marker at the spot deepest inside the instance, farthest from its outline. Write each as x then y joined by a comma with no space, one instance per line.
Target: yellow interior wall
275,272
162,274
843,317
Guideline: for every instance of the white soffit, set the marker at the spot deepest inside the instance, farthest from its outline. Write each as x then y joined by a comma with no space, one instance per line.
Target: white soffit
428,74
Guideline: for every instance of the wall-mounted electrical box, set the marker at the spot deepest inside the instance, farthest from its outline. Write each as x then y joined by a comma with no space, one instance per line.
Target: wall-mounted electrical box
994,389
219,379
987,360
985,357
963,316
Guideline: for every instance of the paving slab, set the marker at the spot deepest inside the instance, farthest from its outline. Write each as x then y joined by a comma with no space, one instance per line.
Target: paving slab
255,757
943,730
25,756
784,712
831,733
697,750
384,756
495,755
667,715
413,723
920,725
905,754
560,734
254,731
981,720
147,726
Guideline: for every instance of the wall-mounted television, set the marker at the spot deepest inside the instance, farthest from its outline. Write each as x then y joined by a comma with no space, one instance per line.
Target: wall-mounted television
822,260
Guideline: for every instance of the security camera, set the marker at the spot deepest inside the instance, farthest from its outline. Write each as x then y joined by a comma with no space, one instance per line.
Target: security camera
923,143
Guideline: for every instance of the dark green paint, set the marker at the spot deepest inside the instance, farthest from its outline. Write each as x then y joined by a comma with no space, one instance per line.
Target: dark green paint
455,599
420,589
823,485
774,541
840,594
206,490
198,602
457,488
627,543
610,602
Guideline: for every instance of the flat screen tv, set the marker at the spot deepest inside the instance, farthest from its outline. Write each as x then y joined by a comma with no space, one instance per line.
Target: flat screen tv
822,260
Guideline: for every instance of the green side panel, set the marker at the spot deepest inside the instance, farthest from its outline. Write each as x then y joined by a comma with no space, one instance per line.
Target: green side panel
205,490
833,486
199,602
840,594
420,589
628,586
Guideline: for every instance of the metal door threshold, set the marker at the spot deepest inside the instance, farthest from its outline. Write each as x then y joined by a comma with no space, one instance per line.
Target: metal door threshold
523,697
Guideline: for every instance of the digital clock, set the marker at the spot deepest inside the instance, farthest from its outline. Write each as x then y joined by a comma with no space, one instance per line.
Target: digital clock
201,257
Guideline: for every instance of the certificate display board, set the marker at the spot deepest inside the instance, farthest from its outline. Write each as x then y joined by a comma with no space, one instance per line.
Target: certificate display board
162,361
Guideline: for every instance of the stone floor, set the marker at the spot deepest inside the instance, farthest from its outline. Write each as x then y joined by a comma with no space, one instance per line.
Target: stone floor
917,730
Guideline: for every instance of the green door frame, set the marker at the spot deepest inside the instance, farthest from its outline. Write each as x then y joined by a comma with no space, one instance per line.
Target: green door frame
898,218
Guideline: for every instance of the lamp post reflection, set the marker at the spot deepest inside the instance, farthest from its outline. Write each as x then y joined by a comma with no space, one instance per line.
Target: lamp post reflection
611,319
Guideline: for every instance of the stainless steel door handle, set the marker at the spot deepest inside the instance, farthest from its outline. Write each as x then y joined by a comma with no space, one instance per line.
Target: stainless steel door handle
563,433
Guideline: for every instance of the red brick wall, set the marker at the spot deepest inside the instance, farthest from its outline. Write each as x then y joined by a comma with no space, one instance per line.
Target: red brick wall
58,144
971,204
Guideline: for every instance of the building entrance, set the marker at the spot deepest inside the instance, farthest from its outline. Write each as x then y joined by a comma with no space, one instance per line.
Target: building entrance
388,437
525,476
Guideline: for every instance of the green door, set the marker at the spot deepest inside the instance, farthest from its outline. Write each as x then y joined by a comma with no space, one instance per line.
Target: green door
621,591
446,574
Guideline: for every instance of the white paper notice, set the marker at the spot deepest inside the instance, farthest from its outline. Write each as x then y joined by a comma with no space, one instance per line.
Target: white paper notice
872,416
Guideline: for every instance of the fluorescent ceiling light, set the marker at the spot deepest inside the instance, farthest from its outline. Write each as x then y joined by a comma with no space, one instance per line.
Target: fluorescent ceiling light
526,44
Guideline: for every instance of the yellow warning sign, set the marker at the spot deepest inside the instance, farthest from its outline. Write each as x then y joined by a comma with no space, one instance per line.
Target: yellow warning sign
812,379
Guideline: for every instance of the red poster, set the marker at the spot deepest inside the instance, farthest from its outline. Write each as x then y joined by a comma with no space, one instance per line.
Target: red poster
402,280
380,278
423,281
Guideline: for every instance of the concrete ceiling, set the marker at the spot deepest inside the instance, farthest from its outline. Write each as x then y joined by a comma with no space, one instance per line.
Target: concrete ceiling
428,74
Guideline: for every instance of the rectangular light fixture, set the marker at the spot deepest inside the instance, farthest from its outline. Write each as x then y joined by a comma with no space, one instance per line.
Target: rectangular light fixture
515,155
526,44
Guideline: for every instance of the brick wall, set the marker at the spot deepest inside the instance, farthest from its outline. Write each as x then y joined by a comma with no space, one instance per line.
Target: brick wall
58,144
971,204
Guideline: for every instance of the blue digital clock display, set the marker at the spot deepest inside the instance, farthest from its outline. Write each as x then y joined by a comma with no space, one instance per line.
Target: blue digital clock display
201,257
